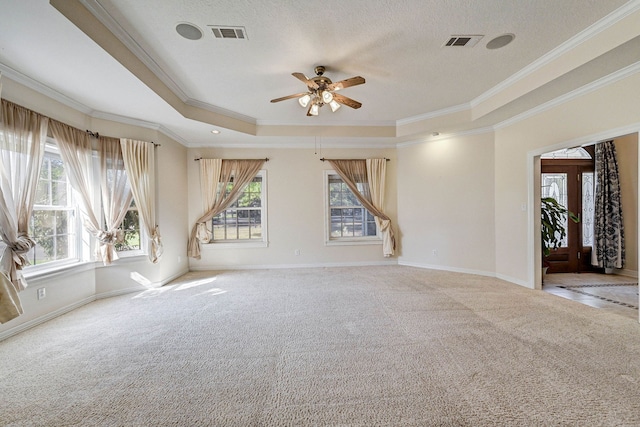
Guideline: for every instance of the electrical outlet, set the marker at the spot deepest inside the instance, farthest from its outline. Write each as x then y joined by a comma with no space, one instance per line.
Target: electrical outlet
435,252
179,259
42,292
297,252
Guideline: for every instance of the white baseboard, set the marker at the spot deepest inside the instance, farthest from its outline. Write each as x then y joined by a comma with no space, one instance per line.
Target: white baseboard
629,273
52,315
45,318
447,268
282,266
467,271
140,288
514,280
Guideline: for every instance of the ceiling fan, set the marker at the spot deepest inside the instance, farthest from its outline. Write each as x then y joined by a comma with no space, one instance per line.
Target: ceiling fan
323,91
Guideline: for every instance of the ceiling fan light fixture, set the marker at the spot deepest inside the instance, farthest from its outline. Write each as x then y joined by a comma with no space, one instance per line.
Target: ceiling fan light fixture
304,100
320,91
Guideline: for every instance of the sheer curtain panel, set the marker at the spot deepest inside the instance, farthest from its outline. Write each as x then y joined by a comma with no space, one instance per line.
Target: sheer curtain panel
139,163
77,153
116,195
22,137
238,172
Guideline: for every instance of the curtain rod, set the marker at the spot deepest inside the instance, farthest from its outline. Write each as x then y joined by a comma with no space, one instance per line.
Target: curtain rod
323,159
97,135
266,159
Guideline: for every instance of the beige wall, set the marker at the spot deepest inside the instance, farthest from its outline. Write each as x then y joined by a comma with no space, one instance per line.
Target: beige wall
627,153
597,115
295,210
445,204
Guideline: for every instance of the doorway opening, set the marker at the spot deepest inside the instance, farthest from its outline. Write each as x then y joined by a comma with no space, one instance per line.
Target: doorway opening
568,177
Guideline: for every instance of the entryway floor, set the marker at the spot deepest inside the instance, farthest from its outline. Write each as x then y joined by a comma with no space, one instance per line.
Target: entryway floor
611,292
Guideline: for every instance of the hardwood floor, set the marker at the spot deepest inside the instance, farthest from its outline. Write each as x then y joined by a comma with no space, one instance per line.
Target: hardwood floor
615,293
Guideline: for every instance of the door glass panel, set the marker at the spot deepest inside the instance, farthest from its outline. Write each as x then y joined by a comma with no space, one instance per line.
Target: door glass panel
555,185
587,208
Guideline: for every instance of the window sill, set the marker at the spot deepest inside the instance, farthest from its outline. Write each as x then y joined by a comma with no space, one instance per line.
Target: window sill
353,242
49,272
235,245
130,257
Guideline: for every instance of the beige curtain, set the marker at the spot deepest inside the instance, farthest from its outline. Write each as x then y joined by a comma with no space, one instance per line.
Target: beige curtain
210,170
376,173
139,163
22,137
370,193
240,172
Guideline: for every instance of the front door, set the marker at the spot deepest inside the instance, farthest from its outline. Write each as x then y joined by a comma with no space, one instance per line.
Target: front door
571,183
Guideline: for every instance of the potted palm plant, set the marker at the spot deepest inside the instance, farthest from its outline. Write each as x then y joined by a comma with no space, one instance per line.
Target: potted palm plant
552,226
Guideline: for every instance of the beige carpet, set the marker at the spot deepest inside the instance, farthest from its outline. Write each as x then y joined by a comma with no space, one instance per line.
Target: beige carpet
370,346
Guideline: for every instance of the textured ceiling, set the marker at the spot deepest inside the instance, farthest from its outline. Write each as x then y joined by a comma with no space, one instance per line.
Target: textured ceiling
156,76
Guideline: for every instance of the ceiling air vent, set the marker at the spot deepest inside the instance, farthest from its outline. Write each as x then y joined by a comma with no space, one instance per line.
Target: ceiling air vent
462,41
229,32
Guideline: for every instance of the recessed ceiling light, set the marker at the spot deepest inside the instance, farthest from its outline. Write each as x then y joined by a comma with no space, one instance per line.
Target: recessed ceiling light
500,41
215,131
189,31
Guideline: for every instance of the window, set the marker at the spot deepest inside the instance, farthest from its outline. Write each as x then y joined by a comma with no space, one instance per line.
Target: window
131,230
54,222
568,153
245,220
347,220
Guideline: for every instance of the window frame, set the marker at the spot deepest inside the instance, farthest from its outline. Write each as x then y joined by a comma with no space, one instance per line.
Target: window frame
247,243
342,241
73,205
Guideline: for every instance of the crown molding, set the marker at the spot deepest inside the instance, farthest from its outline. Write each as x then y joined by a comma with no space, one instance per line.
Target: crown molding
297,145
591,31
381,123
121,34
433,114
219,110
43,89
616,76
440,137
140,123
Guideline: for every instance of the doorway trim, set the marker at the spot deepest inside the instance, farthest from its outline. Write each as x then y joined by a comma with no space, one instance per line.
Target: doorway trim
534,249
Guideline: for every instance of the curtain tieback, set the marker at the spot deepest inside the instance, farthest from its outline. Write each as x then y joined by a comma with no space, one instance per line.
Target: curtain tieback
20,248
155,238
110,237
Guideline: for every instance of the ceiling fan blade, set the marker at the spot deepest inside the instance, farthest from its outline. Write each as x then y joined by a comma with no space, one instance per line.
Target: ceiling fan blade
346,101
284,98
353,81
310,83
